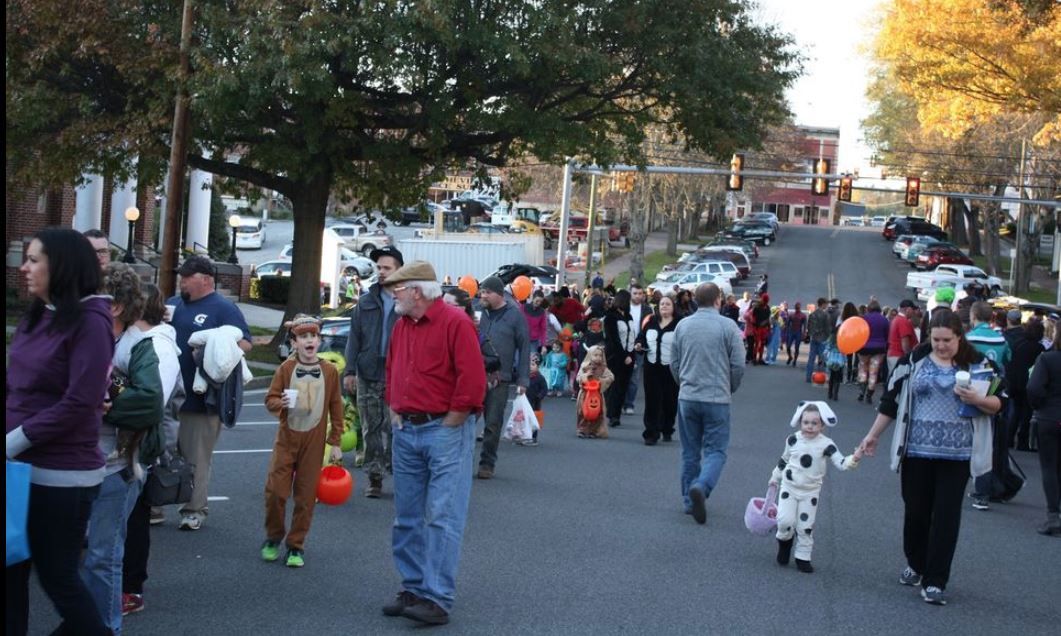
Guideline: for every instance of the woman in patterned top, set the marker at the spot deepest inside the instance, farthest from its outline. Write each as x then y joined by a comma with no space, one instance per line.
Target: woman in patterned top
937,445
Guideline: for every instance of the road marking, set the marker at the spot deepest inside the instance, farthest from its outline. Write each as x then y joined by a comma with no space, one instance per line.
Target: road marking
250,450
268,423
830,285
217,498
835,232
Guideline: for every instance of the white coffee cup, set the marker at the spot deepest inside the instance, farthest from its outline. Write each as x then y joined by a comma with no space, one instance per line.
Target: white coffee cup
962,379
169,313
292,397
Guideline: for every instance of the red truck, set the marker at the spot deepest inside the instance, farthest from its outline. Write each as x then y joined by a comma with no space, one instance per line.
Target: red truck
577,227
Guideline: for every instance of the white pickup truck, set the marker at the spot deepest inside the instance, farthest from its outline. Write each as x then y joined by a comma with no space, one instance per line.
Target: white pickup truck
925,283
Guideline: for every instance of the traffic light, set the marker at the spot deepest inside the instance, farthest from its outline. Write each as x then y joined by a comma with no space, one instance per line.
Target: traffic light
913,191
844,193
735,181
820,185
628,181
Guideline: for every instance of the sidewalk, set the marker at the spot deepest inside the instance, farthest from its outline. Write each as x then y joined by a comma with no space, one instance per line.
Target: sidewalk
258,316
654,242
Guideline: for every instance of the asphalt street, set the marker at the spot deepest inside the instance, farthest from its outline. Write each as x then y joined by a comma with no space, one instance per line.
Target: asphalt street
588,536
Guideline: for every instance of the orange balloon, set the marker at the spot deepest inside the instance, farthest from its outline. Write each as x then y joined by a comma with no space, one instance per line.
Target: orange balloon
468,284
853,335
522,288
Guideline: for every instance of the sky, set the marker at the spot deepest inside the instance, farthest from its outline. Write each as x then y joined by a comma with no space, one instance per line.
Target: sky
834,37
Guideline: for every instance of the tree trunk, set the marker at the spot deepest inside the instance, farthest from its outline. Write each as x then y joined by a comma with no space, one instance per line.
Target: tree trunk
972,216
672,230
1028,246
957,221
992,218
637,228
310,204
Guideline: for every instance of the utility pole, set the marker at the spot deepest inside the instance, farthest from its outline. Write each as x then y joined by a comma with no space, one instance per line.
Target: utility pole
589,227
177,162
1020,281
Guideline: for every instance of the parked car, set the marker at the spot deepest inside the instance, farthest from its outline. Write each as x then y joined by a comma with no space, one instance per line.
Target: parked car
878,221
853,221
936,255
720,268
924,284
919,245
543,276
690,281
901,244
748,247
912,226
334,333
364,266
731,254
765,217
360,237
271,268
250,235
752,231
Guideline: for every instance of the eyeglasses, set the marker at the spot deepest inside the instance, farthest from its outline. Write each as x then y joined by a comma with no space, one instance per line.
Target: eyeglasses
103,250
399,288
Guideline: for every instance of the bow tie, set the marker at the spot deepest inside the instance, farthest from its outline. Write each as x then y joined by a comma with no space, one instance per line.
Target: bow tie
304,372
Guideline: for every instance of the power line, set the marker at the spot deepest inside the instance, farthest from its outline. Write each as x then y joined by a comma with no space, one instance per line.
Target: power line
910,151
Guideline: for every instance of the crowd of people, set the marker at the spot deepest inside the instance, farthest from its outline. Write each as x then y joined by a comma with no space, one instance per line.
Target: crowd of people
100,363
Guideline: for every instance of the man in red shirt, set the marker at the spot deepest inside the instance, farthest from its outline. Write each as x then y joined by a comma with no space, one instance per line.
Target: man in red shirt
435,379
566,309
901,335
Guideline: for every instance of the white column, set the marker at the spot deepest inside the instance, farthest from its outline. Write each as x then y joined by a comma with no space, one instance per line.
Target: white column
123,196
199,211
88,212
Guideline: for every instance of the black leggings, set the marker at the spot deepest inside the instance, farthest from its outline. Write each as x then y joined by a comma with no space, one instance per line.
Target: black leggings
933,491
616,393
1050,462
661,401
137,547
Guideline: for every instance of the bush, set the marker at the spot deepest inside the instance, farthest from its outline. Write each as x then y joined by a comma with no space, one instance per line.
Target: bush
271,289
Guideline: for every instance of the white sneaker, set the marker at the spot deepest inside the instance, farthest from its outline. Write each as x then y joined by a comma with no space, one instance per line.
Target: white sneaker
628,410
191,522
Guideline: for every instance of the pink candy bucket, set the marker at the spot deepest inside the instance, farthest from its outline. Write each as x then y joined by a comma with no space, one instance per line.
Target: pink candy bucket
760,516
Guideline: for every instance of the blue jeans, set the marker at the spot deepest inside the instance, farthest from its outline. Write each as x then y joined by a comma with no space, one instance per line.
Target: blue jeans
432,486
817,350
102,567
774,344
704,430
635,379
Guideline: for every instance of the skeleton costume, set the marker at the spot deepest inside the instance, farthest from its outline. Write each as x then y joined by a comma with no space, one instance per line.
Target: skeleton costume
799,474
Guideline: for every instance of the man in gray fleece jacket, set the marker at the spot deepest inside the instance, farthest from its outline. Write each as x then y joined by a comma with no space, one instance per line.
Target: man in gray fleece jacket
504,338
707,361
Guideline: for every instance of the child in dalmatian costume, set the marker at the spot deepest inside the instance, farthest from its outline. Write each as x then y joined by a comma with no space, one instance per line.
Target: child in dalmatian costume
799,474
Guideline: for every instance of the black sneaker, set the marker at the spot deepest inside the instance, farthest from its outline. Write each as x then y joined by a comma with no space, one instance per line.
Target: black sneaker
909,577
697,498
426,612
980,502
400,602
784,551
804,566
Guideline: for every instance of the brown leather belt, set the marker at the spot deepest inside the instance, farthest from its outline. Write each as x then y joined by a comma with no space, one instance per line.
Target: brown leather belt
421,418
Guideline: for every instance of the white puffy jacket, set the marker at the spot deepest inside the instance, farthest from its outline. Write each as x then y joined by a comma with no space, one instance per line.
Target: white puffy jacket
221,355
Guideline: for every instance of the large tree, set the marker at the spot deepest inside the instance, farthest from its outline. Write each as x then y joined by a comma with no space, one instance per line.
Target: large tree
377,99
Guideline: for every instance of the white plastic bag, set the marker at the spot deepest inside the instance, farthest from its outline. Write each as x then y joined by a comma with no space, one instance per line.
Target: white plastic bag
522,422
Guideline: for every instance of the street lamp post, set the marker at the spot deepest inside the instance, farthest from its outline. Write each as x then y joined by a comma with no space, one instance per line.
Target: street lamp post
233,221
131,215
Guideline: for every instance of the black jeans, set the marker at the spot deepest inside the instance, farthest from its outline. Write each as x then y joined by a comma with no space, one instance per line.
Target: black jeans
493,422
1020,422
933,490
58,518
137,547
616,393
661,401
1050,462
836,378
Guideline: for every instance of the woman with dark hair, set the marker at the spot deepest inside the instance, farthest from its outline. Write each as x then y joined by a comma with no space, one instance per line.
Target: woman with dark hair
849,311
534,314
661,391
459,298
871,356
1044,395
942,435
57,378
619,353
685,306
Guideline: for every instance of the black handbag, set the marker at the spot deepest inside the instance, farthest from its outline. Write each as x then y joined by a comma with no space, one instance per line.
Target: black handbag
170,481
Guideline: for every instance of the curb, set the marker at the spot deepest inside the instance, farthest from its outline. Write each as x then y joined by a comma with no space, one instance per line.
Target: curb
260,382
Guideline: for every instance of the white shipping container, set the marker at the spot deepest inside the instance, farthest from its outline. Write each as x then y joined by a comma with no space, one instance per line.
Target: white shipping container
456,257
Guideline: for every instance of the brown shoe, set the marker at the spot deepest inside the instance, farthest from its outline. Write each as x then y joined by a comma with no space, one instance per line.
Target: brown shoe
375,487
426,612
401,601
485,472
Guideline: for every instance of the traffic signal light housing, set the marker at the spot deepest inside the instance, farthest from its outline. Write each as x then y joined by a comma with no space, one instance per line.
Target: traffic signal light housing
630,178
844,192
913,191
735,181
820,185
